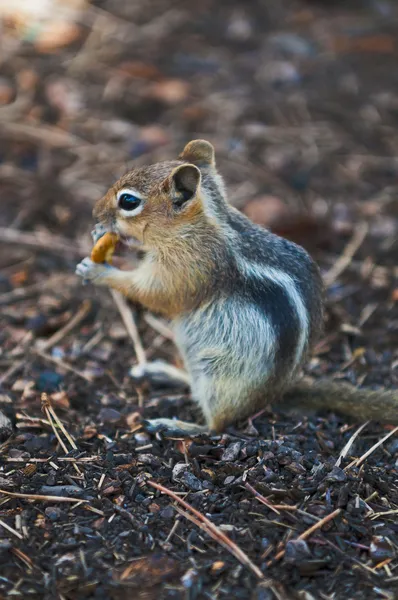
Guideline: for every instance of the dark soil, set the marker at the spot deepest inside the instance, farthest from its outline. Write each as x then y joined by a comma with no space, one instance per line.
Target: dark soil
301,102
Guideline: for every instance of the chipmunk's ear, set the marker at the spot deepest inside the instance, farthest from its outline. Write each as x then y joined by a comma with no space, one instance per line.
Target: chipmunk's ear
184,182
199,152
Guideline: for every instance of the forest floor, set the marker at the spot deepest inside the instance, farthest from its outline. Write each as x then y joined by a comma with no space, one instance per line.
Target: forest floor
300,100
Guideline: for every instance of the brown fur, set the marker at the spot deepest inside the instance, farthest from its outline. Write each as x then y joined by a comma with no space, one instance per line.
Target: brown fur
182,242
187,266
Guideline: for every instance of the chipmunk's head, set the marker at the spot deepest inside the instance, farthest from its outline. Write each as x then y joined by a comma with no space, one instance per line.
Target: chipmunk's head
150,204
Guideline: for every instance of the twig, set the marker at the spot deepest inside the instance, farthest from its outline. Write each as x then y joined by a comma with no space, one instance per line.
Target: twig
62,428
82,460
261,498
348,556
130,325
23,557
306,534
127,515
63,364
53,136
52,416
344,260
12,370
10,529
361,459
61,333
350,442
211,529
383,514
44,241
97,337
159,326
39,497
25,292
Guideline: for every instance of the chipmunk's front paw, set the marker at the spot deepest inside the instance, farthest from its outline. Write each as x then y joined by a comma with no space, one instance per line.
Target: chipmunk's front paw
91,271
98,231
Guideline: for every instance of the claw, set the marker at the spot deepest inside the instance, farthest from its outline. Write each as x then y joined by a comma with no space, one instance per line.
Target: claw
91,271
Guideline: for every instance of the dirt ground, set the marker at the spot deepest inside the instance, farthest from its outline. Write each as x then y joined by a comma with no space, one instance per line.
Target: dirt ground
300,100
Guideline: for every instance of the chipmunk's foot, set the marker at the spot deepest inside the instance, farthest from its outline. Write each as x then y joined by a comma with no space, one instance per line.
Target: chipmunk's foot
160,373
98,231
91,271
173,427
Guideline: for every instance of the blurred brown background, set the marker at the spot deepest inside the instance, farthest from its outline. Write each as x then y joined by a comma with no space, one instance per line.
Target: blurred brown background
300,100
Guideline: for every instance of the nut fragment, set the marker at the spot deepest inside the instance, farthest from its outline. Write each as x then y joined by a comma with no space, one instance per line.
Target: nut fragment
104,248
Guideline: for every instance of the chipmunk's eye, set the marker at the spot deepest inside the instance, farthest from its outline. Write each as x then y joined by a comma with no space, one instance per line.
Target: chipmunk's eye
129,202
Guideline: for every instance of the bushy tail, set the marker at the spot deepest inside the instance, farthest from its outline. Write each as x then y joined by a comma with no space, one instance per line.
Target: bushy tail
343,398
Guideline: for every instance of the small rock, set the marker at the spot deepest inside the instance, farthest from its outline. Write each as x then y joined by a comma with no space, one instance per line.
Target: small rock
230,479
269,475
141,437
189,578
51,478
178,470
231,453
36,443
167,513
296,468
344,495
381,548
296,551
16,453
191,481
336,474
49,381
53,513
62,490
5,427
109,415
6,482
150,459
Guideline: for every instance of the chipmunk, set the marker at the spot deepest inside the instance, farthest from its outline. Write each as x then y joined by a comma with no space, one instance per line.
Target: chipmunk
246,305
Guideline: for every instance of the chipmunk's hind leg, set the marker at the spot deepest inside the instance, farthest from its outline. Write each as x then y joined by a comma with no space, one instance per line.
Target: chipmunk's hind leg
174,427
159,373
